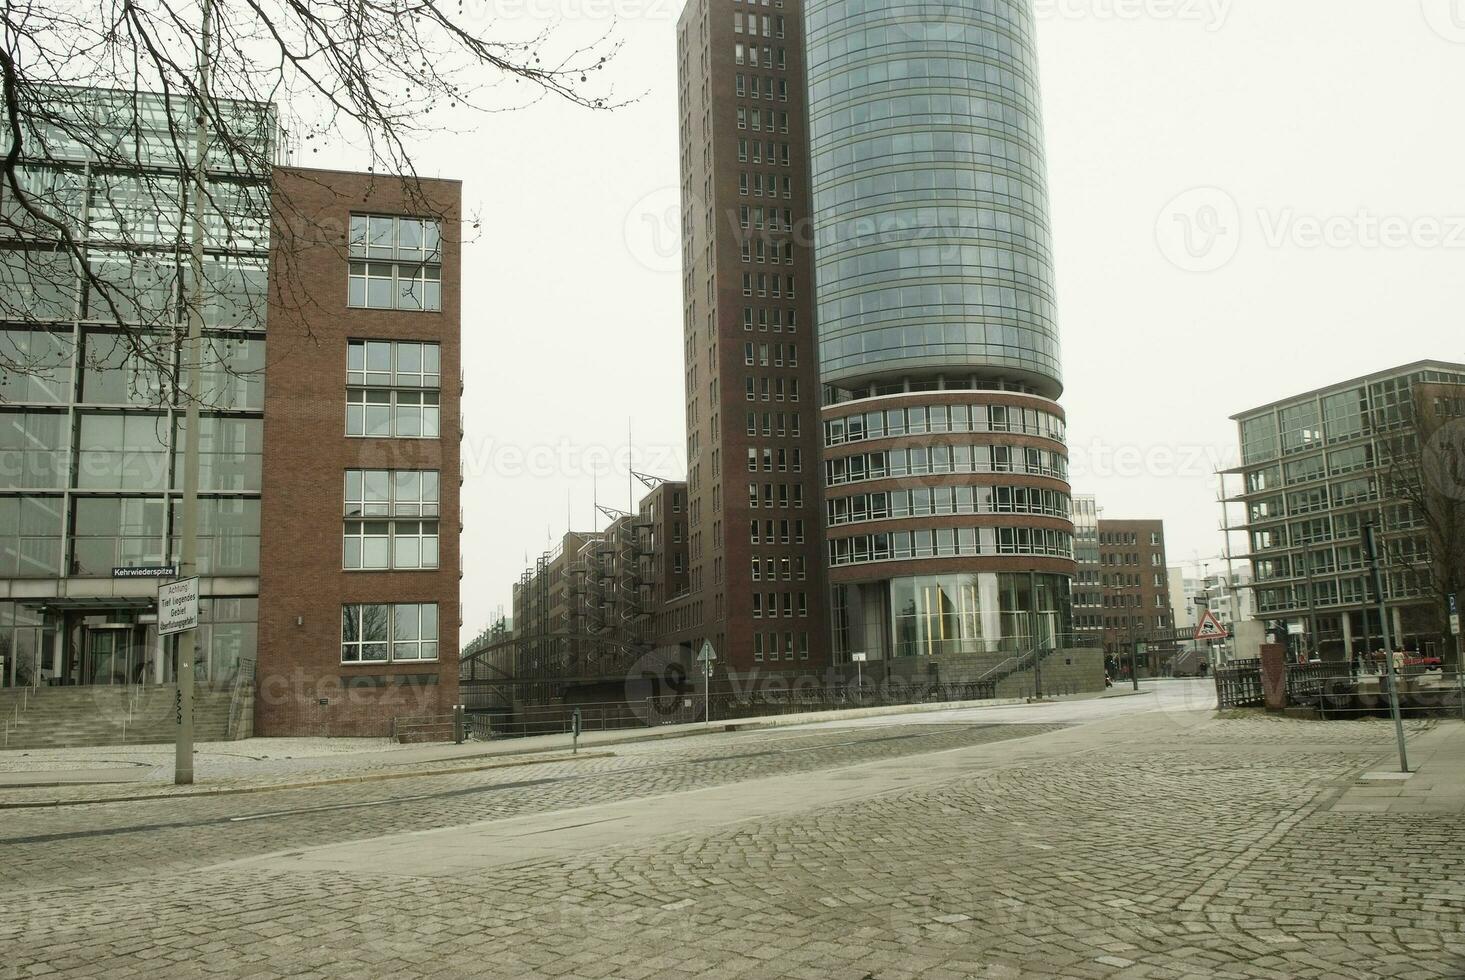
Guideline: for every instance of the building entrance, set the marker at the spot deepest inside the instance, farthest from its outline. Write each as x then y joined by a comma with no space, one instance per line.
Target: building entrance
114,654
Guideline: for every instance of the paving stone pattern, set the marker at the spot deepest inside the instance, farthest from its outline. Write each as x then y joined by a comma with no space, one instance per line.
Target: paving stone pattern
1211,854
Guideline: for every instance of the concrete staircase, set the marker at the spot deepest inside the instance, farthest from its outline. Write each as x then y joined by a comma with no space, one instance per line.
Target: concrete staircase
56,717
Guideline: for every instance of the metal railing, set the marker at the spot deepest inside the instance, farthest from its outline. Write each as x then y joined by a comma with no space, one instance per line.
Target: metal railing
12,720
243,684
1335,690
1239,685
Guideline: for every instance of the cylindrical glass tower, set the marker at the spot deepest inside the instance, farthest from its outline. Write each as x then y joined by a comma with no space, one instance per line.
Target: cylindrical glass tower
948,507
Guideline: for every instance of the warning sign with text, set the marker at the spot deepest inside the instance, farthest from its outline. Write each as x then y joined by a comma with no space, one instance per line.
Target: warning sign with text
177,607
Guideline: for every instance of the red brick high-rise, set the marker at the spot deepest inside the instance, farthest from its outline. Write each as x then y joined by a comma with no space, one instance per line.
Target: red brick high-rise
757,585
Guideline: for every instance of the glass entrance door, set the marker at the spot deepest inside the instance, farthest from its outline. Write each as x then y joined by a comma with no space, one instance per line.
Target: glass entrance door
110,657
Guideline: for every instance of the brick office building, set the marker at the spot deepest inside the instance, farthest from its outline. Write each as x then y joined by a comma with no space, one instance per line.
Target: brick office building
1122,594
359,560
756,577
328,486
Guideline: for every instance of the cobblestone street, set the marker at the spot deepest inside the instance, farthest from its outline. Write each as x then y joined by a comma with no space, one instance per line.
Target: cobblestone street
1143,838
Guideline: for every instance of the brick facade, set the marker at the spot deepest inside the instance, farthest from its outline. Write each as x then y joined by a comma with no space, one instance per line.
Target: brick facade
717,181
303,687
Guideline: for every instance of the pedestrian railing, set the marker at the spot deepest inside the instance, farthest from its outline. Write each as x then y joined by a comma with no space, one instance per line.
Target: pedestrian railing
1239,685
1339,691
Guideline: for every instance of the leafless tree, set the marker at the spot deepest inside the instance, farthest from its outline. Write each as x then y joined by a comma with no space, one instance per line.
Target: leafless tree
380,74
1422,467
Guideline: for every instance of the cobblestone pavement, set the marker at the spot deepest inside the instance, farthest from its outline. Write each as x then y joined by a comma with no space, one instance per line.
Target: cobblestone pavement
88,845
1147,845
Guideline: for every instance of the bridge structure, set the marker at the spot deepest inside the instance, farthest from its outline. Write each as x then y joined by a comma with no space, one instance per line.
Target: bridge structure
566,666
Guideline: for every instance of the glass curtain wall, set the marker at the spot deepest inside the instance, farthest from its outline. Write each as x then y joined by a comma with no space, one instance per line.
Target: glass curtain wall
91,432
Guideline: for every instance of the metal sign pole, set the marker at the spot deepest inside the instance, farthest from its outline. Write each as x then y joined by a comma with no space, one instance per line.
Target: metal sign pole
1459,651
706,655
1370,547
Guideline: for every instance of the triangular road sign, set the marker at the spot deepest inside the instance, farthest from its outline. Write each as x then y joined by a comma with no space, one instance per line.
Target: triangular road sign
706,654
1210,628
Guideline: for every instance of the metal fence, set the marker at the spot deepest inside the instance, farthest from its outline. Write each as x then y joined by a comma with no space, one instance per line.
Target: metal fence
1239,684
723,704
1336,691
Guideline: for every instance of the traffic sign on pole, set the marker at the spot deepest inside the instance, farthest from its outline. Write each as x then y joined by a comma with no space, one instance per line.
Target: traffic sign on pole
706,655
1210,628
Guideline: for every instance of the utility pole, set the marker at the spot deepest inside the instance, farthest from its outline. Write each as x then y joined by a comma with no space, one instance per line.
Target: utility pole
1370,548
192,354
1033,626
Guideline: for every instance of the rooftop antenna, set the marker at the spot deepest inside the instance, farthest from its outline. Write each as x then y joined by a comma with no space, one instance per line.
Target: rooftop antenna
630,461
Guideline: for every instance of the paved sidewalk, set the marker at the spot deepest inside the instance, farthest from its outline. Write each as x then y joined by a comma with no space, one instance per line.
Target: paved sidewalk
1435,785
126,773
1170,844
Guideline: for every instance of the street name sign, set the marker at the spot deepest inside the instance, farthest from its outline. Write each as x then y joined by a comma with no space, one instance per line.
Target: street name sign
145,571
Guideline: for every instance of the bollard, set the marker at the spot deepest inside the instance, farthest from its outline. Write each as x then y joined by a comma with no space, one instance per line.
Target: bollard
458,719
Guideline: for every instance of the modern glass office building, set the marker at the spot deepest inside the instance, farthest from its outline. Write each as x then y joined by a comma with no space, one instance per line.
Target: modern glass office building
91,458
948,521
1318,467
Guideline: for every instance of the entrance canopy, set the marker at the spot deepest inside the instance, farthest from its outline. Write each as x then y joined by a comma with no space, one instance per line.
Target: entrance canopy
88,603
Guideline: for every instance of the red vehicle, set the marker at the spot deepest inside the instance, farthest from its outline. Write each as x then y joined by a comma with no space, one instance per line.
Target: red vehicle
1428,663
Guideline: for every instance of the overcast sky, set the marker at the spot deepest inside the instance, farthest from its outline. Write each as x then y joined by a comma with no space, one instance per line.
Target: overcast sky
1250,198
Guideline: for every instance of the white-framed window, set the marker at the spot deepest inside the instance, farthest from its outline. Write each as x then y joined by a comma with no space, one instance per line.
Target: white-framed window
395,263
384,414
387,632
392,389
376,536
378,545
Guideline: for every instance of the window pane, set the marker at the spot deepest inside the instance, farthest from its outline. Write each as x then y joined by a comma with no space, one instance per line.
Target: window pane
379,356
376,552
376,489
379,294
409,237
409,358
383,232
378,420
406,626
374,622
358,234
408,550
409,420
